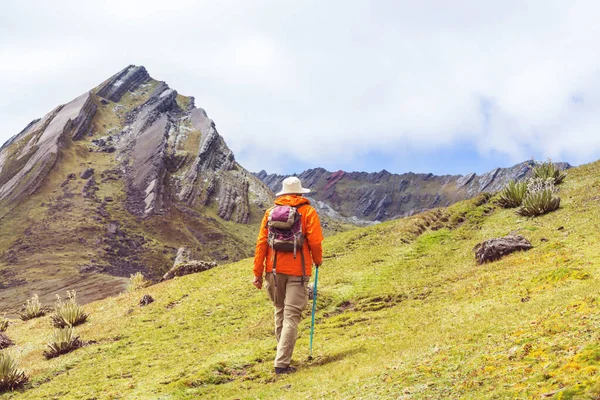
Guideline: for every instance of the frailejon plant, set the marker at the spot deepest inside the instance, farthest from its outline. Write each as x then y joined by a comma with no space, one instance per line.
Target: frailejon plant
4,322
547,170
11,377
540,199
63,340
33,309
68,312
513,194
136,281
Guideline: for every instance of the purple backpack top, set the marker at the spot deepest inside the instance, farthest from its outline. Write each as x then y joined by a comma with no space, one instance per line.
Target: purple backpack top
285,229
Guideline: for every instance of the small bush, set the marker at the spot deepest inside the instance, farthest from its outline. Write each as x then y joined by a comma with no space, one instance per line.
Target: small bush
68,313
539,202
63,340
548,170
11,377
137,281
513,194
4,322
33,309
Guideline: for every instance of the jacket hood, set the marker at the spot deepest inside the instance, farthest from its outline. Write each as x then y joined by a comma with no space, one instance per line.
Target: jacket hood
291,200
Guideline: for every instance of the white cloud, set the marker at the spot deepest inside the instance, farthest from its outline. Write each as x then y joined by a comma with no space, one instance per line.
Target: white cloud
342,78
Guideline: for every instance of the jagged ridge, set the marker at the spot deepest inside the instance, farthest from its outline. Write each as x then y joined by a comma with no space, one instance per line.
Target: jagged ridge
381,196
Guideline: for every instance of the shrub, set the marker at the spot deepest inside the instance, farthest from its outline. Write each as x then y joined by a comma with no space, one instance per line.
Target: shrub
63,340
33,309
4,322
513,194
539,202
11,377
548,170
137,281
68,313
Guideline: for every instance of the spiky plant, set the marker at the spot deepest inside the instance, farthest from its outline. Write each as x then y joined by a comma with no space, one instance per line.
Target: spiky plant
68,312
547,170
63,340
137,281
539,202
512,194
33,308
4,322
11,377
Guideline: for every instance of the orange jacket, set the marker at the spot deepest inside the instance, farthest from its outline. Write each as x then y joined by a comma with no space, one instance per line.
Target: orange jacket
286,263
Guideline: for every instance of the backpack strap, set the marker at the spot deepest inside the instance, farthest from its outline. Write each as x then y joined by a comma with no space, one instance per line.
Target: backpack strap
302,249
275,269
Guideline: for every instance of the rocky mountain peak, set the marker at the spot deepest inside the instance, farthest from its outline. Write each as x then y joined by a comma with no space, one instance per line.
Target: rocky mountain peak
115,181
151,137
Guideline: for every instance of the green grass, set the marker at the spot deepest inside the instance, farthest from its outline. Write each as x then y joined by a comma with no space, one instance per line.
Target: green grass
404,312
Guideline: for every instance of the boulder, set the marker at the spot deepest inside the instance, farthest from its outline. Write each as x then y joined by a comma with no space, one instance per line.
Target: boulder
494,249
87,173
188,267
5,341
183,255
147,299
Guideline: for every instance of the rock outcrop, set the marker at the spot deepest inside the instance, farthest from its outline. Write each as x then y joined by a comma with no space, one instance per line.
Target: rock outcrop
494,249
185,265
383,196
28,157
128,79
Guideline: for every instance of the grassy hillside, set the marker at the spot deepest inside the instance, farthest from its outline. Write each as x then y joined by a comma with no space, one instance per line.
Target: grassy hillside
404,312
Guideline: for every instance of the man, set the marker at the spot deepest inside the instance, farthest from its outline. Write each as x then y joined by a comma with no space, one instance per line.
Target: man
288,271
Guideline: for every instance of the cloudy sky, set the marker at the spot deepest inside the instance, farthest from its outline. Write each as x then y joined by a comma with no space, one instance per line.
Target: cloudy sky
427,86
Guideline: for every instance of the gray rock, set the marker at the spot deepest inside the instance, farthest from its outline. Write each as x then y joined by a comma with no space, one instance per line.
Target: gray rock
494,249
90,188
183,255
147,299
188,267
87,173
129,78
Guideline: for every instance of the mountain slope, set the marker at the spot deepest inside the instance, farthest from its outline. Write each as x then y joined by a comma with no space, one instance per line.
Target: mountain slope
114,182
381,196
404,312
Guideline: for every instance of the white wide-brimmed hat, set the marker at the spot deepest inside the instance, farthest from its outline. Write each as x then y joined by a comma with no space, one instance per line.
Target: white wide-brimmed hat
292,185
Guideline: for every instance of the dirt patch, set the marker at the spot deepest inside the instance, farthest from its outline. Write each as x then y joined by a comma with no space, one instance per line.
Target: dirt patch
344,306
380,302
222,373
176,302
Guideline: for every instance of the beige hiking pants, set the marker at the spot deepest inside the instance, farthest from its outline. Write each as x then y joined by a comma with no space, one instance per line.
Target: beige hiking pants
290,298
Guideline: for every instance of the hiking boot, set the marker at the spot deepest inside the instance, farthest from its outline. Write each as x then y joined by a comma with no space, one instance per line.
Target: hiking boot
286,370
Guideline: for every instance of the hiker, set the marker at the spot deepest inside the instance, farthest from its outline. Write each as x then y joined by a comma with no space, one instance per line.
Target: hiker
288,255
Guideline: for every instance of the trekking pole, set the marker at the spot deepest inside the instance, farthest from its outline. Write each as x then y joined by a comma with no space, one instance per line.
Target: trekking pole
314,309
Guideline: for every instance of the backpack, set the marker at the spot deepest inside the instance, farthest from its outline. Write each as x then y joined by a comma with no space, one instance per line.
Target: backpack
285,234
285,229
